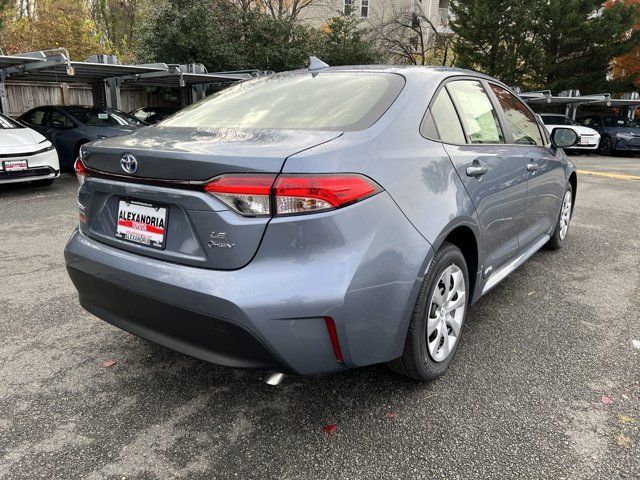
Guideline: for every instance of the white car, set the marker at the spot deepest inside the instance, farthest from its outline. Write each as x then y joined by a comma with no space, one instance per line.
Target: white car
589,138
25,155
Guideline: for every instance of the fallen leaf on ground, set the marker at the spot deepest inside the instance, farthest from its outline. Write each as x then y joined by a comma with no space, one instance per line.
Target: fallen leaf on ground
606,400
623,440
391,415
531,293
625,419
109,363
330,429
636,344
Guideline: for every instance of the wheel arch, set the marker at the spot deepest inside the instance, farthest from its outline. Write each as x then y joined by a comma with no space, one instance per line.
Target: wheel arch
466,237
573,181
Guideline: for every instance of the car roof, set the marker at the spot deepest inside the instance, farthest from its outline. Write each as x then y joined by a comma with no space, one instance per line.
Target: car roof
405,70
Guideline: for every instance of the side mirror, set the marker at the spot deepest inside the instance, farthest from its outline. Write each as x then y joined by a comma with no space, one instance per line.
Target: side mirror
564,137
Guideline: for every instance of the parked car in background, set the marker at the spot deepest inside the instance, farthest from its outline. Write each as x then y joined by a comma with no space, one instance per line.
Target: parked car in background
589,139
70,127
25,155
153,115
315,221
619,134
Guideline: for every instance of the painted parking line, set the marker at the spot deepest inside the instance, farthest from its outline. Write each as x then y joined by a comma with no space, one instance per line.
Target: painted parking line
619,176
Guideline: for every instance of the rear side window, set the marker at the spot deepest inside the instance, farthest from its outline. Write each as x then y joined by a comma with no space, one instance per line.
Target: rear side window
479,118
339,101
35,117
446,119
519,118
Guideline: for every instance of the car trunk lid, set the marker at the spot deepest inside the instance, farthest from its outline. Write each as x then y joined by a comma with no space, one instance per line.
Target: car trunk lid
190,226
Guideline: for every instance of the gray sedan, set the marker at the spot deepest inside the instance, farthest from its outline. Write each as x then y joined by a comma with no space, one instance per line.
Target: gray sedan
315,221
70,127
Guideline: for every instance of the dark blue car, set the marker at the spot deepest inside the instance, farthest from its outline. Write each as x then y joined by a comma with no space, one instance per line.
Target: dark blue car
70,127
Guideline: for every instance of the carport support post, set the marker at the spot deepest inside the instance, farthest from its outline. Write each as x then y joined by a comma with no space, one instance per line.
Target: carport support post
107,92
195,93
4,99
572,108
631,110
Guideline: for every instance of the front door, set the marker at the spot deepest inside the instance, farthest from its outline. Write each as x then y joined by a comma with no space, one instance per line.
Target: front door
545,175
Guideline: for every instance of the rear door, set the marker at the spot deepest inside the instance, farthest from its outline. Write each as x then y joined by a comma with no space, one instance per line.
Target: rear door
60,130
545,175
492,171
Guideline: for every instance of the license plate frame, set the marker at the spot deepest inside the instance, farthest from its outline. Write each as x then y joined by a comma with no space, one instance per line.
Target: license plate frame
24,165
130,229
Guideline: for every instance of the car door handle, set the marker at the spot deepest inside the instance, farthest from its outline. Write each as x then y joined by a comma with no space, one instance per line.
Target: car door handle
476,170
532,166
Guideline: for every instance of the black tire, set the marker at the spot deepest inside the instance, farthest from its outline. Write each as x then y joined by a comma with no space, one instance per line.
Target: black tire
606,147
416,361
42,183
557,240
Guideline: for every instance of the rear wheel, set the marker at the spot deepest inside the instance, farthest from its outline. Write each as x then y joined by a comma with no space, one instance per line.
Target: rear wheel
562,226
438,318
42,183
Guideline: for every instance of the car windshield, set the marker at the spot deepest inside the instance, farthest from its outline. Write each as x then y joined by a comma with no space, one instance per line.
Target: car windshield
7,123
619,122
340,101
99,117
557,120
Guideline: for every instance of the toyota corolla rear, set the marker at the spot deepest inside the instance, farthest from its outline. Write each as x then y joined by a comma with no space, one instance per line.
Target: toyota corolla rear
190,234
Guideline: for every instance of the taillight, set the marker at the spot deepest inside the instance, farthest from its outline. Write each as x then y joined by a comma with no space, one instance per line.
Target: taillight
248,194
80,171
252,194
312,193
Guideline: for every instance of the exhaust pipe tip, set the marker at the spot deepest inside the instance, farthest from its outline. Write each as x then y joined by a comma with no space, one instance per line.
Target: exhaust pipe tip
274,378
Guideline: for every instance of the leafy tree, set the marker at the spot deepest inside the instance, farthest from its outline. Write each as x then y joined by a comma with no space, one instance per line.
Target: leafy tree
56,23
4,7
119,20
343,41
580,39
495,37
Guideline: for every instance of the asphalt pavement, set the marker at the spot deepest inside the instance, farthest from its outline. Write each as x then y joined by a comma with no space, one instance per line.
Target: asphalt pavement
546,382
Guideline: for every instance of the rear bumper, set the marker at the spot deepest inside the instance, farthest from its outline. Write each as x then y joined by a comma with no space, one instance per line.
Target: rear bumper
361,265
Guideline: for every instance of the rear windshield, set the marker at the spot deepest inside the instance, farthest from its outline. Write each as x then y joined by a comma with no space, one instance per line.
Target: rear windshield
557,120
96,117
341,101
619,122
7,123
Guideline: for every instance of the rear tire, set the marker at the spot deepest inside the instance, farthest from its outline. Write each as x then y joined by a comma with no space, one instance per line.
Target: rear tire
42,183
432,339
564,219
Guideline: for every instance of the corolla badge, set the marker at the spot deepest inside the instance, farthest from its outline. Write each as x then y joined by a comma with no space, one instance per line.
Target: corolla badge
129,163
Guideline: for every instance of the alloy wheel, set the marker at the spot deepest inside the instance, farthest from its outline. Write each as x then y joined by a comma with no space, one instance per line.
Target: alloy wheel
446,313
565,214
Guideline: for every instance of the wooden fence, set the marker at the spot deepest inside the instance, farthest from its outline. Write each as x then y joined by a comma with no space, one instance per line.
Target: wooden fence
24,96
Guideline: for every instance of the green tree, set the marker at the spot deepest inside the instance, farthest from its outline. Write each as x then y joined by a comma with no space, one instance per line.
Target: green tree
580,40
343,41
4,7
495,37
56,23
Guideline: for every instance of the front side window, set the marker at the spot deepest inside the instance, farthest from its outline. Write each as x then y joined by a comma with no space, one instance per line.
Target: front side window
478,116
519,118
446,119
338,101
57,119
364,8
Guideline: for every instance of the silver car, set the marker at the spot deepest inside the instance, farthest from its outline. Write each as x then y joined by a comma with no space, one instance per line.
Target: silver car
315,221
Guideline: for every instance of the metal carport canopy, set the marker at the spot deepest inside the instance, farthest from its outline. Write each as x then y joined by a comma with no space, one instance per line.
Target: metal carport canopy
82,72
179,76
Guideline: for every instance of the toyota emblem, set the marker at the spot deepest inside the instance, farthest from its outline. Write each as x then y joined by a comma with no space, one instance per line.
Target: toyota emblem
129,163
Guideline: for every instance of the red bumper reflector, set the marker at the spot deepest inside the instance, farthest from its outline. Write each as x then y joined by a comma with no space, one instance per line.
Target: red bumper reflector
333,335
